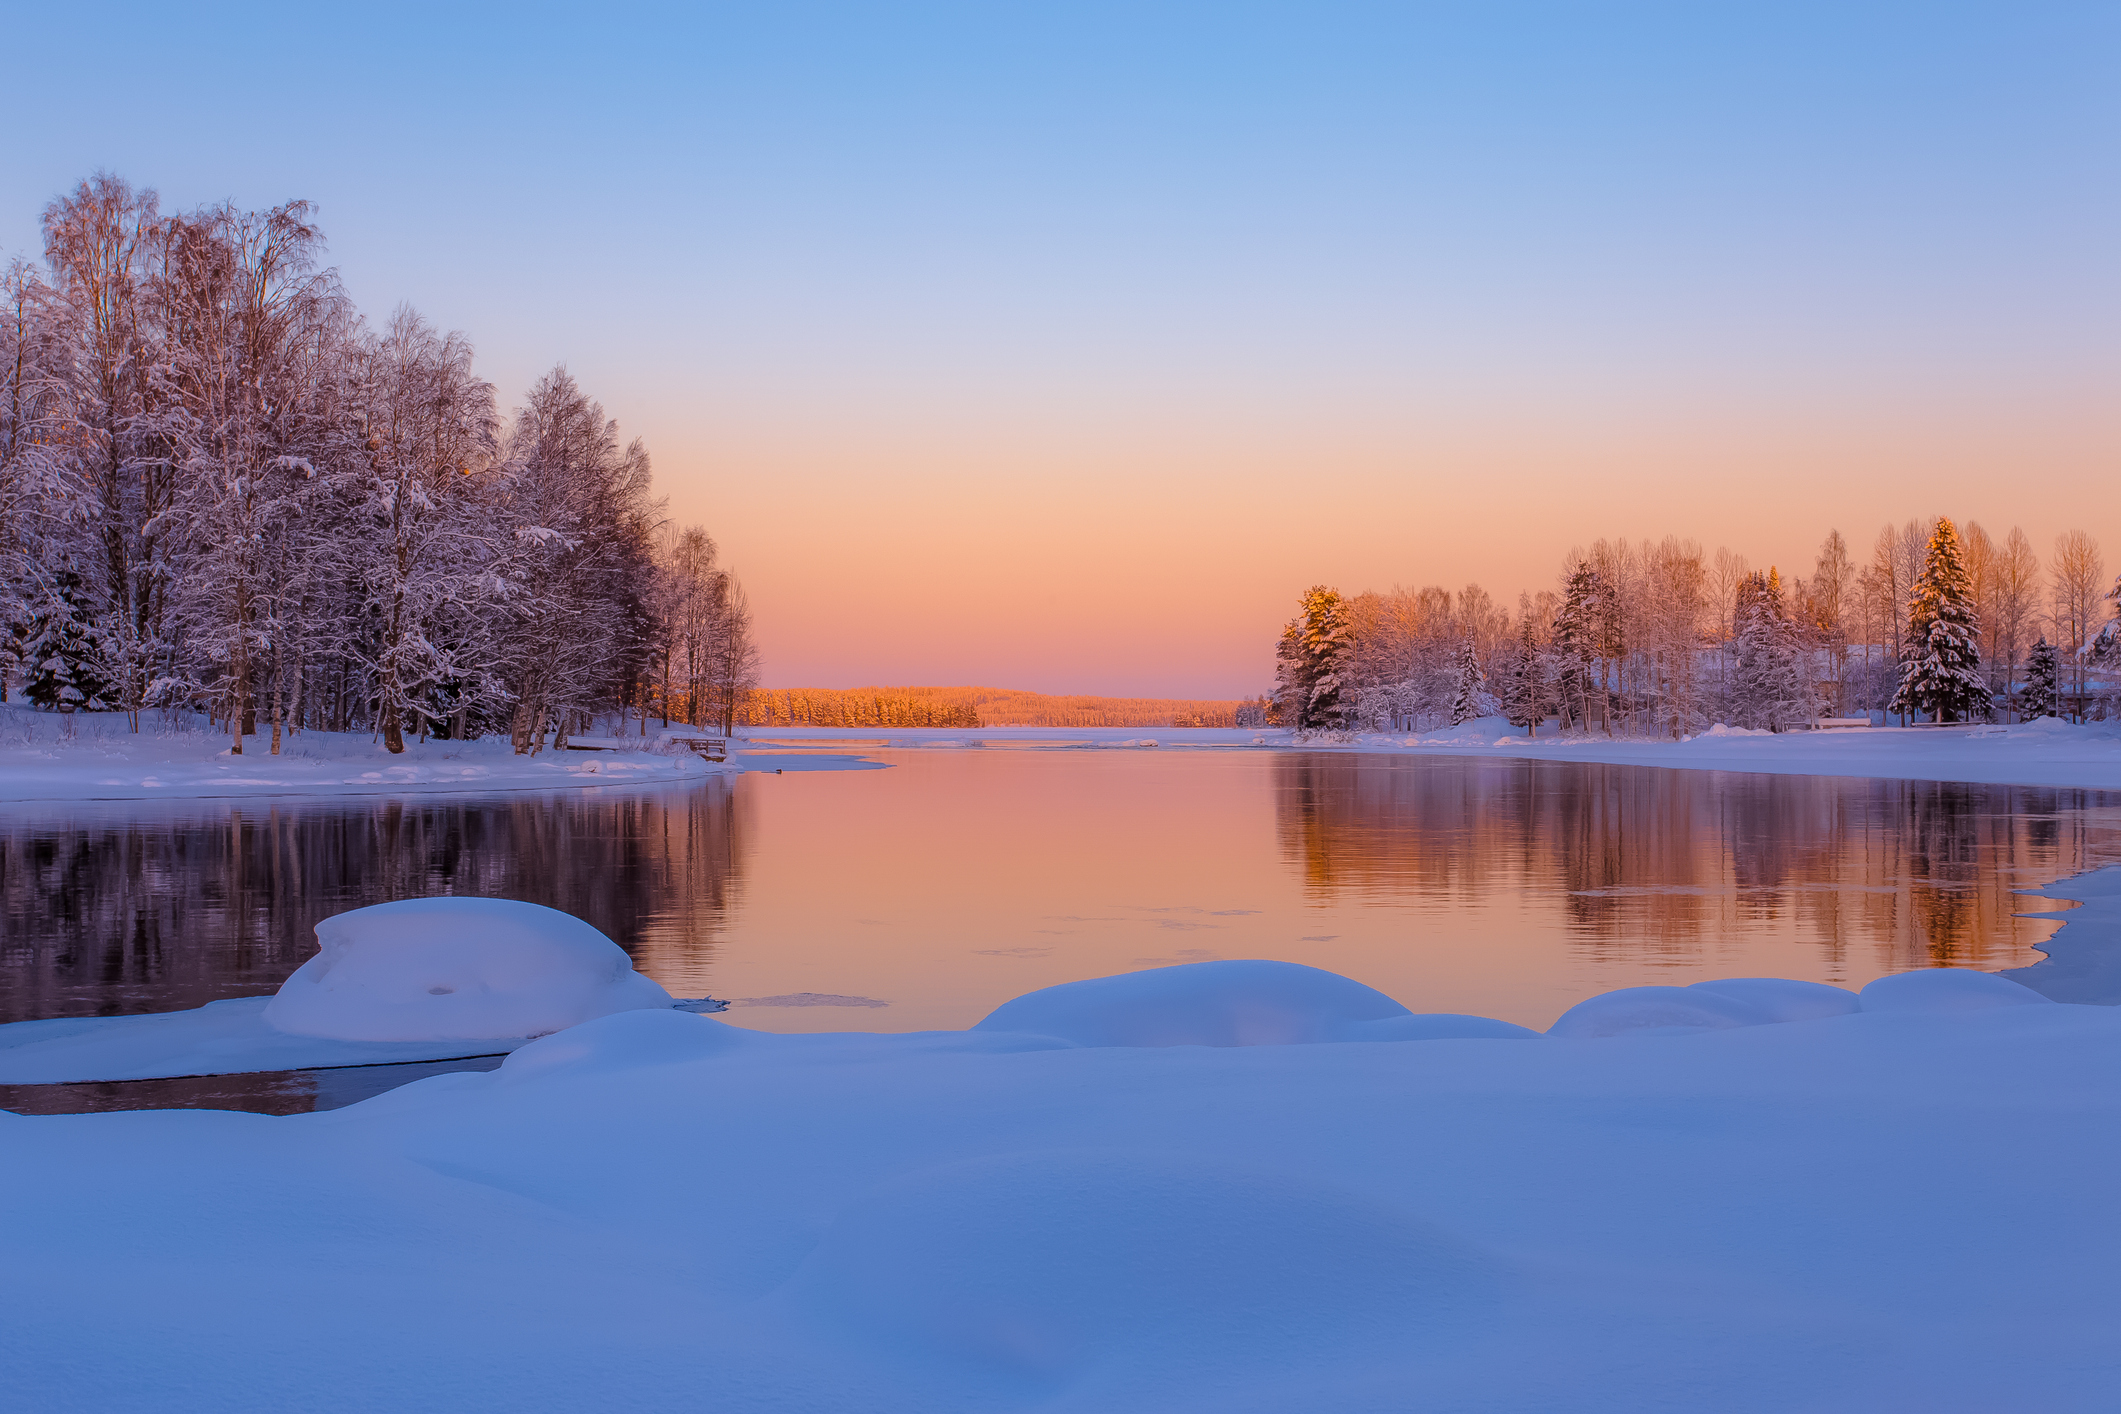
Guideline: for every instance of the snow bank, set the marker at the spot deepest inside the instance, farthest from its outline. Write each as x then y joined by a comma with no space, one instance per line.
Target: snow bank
2043,753
1243,1003
1738,1001
220,1038
97,756
2083,961
457,968
1815,1206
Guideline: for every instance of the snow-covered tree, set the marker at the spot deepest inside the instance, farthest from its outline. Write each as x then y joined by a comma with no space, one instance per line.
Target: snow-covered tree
1769,687
1525,697
2042,670
1941,673
1312,662
63,662
269,511
1472,698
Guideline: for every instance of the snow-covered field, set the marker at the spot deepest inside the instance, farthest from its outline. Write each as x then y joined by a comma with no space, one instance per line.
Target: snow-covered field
2043,753
97,756
1224,1187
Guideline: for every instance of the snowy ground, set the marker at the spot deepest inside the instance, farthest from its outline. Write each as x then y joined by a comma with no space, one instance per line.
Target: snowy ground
98,757
1104,1199
2044,753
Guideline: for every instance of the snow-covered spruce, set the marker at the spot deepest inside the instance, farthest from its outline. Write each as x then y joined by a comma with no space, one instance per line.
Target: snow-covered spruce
1941,674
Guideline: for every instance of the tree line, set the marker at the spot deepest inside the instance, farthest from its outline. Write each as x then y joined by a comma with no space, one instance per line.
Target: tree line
224,490
1660,638
975,707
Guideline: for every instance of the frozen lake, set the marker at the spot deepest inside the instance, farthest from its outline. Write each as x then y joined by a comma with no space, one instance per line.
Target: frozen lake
925,895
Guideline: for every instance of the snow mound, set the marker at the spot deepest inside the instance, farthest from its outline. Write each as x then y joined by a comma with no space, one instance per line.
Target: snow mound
1947,989
1633,1009
1436,1026
626,1040
1236,1003
1725,729
457,969
1781,999
1050,1266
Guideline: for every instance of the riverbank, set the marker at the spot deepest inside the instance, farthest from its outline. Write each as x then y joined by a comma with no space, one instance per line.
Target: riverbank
1737,1208
2043,753
97,756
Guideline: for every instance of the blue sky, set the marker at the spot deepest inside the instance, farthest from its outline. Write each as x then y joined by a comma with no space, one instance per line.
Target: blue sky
975,331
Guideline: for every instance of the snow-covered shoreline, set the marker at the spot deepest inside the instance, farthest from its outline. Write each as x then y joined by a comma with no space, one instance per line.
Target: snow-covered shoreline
1231,1187
2045,753
47,757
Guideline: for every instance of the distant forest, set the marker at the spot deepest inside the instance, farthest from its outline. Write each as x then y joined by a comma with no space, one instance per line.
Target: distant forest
973,707
1661,638
223,490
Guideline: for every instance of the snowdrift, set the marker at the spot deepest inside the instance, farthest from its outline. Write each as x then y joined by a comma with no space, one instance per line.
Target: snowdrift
419,979
1182,1190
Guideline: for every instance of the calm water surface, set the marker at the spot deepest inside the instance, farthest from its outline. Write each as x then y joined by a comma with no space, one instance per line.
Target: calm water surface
925,895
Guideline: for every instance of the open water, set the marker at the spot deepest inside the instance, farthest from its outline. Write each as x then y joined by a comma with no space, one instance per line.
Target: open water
924,895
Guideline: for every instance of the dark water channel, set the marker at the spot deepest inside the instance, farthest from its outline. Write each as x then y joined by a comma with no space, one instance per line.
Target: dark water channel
925,895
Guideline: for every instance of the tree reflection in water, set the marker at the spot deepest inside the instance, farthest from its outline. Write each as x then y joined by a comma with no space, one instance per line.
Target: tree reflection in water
1657,862
111,911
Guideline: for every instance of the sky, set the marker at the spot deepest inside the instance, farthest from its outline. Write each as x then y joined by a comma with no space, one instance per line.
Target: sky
1062,347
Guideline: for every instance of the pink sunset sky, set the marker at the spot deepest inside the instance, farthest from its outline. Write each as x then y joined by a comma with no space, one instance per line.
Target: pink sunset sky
1061,349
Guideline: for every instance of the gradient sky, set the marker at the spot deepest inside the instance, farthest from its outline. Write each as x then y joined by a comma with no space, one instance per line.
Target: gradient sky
1061,346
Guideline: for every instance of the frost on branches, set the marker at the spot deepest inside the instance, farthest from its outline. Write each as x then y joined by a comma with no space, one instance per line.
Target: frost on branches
220,488
1941,675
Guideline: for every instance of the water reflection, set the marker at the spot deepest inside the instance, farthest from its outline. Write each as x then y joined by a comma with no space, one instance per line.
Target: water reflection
110,911
1653,863
926,895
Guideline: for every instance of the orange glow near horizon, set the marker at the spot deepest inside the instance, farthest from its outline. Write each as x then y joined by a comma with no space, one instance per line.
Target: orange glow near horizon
1161,560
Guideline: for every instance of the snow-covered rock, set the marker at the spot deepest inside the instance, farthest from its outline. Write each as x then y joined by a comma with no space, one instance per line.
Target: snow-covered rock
1947,989
1781,998
1234,1003
457,968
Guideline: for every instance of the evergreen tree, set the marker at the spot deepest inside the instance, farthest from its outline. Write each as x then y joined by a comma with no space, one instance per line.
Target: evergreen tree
1768,687
1312,661
2037,697
1471,699
64,667
1525,700
1575,642
1942,672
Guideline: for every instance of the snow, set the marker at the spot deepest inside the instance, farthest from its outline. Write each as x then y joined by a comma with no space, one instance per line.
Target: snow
415,980
436,969
1903,1206
2047,752
220,1038
97,756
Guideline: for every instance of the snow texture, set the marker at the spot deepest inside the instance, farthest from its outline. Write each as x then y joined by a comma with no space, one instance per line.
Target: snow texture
1801,1205
416,980
437,969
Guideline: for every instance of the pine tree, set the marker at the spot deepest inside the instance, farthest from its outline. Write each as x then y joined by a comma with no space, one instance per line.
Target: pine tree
64,666
1471,699
1525,700
1768,686
1575,641
1312,661
2037,697
1942,672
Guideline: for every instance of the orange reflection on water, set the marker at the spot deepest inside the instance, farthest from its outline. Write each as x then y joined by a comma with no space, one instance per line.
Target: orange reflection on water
960,879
